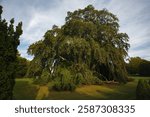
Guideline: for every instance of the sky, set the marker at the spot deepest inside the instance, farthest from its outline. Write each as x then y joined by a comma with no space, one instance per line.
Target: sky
38,16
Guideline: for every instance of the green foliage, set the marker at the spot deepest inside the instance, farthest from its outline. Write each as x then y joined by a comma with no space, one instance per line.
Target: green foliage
22,65
34,69
45,75
144,68
143,90
58,86
133,65
64,80
9,41
138,66
88,47
44,78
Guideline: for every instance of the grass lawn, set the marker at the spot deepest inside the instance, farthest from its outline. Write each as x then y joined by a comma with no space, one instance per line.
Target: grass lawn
24,89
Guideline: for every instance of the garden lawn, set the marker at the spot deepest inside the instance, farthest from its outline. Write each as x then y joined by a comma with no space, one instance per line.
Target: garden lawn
25,89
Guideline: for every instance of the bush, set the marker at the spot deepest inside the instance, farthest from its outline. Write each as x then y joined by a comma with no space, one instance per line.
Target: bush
22,65
46,77
43,79
64,80
84,76
58,86
78,79
144,68
143,90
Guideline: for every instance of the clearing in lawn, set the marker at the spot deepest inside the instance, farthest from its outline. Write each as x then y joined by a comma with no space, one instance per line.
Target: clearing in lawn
26,90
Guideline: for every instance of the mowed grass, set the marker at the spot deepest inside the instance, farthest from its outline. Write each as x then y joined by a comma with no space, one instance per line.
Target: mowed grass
24,89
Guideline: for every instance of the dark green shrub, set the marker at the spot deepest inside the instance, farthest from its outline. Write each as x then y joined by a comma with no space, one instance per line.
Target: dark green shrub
22,65
45,76
9,41
58,86
78,79
43,79
144,68
84,76
143,90
64,80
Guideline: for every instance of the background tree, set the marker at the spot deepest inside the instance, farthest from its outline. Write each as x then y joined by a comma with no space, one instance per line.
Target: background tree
9,40
144,68
89,47
138,66
22,65
133,65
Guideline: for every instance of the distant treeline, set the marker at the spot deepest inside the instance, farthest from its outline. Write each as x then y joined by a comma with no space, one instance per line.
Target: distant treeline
22,65
138,66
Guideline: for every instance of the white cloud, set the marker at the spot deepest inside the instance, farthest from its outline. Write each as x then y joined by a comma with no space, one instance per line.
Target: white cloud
135,21
23,52
41,21
38,16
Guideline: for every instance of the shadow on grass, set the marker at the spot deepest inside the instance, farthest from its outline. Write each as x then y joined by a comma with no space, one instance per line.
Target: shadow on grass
24,90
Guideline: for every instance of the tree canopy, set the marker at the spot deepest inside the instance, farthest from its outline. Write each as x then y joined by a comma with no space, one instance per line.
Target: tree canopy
9,40
88,48
138,66
21,67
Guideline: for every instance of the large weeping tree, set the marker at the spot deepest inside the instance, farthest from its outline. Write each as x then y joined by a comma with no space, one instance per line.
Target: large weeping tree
9,40
86,49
